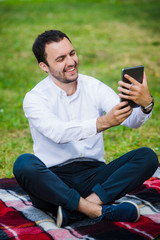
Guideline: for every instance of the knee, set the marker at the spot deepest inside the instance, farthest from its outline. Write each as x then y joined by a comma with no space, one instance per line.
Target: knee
150,158
23,165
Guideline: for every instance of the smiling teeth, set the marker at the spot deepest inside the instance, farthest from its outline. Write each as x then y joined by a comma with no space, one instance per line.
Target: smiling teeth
71,70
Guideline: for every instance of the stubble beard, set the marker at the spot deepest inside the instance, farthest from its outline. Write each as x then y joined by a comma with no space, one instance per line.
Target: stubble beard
64,79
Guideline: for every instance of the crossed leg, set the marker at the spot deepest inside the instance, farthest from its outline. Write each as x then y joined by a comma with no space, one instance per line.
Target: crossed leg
106,183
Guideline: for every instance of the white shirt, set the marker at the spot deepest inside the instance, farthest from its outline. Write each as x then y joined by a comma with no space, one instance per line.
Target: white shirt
64,127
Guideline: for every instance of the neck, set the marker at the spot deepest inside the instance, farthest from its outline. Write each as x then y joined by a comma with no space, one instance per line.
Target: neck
69,88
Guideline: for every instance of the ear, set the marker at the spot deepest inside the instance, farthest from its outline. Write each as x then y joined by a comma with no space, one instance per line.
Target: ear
44,67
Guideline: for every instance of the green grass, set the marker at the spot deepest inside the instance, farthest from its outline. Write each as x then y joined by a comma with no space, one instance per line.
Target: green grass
108,35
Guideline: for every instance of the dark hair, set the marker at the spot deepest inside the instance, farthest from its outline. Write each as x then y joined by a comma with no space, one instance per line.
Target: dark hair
46,38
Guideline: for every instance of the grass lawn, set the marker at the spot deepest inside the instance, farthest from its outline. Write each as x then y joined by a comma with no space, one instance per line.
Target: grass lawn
107,34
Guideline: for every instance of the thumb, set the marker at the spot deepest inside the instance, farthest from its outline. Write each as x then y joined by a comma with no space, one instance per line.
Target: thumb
145,79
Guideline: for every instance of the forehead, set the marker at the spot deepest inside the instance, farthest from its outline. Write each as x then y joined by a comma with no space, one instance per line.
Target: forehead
55,49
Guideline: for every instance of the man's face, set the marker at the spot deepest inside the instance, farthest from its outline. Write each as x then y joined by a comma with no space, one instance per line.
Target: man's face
62,61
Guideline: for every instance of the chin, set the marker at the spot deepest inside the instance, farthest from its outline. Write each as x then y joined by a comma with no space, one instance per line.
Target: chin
72,79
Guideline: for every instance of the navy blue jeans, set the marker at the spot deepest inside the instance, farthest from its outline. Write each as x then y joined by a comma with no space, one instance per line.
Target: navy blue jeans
63,185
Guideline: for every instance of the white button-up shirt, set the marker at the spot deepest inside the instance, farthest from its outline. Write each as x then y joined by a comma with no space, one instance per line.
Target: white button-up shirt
64,127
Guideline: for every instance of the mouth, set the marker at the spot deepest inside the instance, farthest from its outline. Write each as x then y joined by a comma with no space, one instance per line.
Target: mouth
71,70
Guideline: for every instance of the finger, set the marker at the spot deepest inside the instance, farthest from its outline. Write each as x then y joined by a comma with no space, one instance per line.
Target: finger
130,86
122,104
126,91
131,79
127,108
125,113
126,96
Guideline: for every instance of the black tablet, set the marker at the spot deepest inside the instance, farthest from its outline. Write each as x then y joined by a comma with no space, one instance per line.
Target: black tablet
137,74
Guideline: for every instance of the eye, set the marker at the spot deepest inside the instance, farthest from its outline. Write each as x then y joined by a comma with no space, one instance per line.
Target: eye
72,53
60,59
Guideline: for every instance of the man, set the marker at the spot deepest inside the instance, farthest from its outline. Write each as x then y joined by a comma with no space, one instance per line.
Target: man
67,113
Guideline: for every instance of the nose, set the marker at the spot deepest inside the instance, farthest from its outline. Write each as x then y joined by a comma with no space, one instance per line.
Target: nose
70,61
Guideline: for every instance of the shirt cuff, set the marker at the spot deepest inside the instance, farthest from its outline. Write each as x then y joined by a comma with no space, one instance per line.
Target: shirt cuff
147,116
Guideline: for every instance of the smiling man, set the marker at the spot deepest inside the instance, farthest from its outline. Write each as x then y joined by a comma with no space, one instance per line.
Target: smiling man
62,62
67,114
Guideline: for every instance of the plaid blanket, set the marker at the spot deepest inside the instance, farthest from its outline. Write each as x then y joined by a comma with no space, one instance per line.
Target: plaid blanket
20,220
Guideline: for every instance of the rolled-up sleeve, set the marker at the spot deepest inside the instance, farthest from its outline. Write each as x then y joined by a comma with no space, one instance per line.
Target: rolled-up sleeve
137,118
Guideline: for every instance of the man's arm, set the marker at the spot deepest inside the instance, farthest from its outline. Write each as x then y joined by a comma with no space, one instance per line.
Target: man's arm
139,93
115,117
42,119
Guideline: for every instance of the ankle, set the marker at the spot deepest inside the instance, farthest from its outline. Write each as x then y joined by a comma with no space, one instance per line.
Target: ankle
90,209
98,212
93,197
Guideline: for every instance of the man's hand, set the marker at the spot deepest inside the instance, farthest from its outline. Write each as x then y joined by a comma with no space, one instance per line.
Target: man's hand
137,92
115,117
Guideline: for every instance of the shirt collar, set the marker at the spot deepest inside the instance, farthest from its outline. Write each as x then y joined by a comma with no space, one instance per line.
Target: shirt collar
61,92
